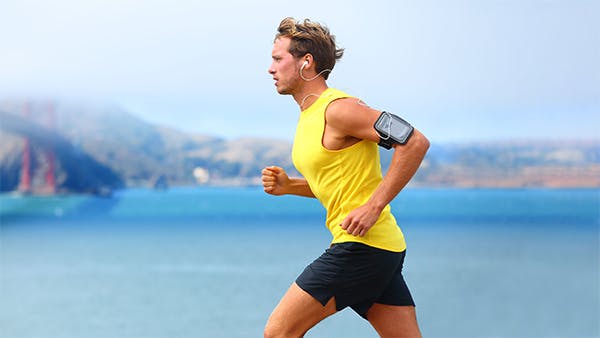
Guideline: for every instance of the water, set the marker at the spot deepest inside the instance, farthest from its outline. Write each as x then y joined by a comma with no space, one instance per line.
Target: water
214,262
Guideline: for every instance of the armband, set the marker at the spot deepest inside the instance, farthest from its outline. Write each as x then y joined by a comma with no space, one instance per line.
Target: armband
392,129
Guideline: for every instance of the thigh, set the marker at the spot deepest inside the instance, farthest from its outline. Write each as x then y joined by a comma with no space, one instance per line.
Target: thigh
394,320
296,313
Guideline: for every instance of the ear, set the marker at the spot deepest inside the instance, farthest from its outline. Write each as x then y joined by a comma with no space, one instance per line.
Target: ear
308,60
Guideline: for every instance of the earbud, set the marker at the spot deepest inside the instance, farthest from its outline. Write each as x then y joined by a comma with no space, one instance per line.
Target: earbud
306,62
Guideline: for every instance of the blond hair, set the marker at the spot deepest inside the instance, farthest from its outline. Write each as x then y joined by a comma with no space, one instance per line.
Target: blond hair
309,37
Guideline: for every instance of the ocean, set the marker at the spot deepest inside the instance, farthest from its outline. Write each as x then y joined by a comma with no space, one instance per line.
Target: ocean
213,262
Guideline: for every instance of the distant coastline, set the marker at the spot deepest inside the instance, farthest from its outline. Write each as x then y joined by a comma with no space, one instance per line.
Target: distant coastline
99,149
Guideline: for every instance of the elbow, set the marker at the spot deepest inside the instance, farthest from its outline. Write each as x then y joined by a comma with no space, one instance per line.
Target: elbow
417,144
420,142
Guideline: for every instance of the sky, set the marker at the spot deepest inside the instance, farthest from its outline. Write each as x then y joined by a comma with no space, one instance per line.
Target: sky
481,70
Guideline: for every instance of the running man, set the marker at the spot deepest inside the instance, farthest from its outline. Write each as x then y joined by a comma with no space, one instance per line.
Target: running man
336,151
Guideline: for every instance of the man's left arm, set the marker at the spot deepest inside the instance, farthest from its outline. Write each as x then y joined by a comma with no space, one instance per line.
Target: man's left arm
357,120
405,161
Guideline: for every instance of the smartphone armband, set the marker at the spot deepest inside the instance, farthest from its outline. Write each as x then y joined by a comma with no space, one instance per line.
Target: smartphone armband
392,129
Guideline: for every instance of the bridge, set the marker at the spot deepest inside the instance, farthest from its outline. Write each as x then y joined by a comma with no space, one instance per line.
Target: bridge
82,173
34,135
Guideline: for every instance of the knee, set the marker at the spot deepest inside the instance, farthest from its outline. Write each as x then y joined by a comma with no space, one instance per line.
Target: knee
270,332
274,330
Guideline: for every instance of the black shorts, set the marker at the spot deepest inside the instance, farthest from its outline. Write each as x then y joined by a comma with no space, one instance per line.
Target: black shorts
357,275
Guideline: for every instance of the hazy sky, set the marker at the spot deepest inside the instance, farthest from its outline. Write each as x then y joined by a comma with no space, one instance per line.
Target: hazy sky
458,70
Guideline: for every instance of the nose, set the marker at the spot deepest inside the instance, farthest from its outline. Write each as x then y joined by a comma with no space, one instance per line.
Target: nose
271,69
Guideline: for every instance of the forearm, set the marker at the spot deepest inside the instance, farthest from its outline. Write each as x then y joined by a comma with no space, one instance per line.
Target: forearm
405,163
299,186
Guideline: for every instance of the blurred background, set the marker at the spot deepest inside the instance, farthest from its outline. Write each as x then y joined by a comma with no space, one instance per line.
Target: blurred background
133,135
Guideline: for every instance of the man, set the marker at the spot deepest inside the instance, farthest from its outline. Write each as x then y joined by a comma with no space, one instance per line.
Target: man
335,149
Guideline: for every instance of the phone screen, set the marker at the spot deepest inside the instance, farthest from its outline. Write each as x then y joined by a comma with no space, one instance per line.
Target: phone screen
390,125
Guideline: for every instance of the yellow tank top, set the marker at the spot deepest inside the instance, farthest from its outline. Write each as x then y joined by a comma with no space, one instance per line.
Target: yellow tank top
342,180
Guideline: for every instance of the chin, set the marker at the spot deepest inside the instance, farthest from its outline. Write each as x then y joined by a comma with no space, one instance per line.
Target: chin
283,91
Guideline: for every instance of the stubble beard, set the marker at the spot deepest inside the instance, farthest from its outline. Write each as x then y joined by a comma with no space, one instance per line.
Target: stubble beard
290,87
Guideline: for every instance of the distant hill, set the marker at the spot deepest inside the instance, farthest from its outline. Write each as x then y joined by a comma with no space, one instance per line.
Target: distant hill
138,152
554,164
107,146
74,170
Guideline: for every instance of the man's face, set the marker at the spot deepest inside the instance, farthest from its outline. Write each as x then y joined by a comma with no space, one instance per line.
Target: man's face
284,67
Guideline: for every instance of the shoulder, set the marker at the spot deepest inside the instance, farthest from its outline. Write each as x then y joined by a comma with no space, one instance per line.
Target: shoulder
347,109
352,117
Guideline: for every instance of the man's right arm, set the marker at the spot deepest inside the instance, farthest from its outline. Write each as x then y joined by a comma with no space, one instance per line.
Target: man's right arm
276,182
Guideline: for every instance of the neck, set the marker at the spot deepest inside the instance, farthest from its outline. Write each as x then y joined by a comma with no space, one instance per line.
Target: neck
309,93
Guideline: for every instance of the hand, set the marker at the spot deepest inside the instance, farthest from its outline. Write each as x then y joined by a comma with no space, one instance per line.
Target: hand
275,181
360,220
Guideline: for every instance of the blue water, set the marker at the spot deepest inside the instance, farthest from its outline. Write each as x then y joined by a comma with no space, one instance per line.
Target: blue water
214,262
